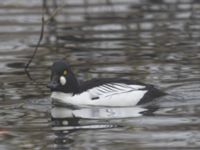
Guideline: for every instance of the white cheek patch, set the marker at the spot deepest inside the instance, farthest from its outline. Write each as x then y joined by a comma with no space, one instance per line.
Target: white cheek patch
63,80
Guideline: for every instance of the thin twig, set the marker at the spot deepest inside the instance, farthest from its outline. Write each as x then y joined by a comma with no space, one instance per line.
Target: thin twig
35,51
44,22
54,13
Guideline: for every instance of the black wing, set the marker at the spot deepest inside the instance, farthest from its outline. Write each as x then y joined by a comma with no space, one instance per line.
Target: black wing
101,81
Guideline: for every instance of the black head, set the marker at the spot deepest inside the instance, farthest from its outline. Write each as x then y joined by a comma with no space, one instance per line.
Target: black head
62,78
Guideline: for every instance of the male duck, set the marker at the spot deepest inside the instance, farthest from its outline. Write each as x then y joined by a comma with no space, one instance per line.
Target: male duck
66,90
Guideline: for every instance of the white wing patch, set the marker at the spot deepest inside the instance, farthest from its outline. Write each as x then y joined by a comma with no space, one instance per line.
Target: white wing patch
110,89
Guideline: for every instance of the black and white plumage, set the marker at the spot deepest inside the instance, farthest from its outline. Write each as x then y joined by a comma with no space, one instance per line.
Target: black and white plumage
97,92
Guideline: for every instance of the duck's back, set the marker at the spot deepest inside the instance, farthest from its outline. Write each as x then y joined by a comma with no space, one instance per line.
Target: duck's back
120,88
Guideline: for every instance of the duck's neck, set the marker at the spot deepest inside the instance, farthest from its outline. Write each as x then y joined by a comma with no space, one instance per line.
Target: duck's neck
72,86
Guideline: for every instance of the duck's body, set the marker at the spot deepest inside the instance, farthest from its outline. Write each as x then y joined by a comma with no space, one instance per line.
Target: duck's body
97,92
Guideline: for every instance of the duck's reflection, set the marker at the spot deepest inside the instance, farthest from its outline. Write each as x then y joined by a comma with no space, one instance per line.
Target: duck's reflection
97,112
66,121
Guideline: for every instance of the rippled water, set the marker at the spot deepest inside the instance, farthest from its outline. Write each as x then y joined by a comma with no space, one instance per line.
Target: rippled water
156,42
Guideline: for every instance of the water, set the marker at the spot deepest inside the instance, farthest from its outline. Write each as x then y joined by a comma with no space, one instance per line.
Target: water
156,42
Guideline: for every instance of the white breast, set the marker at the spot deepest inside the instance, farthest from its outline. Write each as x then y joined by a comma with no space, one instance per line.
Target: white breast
115,94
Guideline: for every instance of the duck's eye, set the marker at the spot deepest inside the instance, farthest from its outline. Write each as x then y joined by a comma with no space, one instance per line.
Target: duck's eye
63,80
65,73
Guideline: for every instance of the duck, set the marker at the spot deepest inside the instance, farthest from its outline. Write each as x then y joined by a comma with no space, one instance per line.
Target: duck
66,90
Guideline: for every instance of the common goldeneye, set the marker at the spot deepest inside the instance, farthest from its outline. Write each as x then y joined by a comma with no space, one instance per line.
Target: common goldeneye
66,90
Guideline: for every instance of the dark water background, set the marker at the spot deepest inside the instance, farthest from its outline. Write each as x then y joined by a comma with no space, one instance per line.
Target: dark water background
154,41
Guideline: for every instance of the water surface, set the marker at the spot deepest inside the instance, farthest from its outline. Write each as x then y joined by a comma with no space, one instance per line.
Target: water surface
155,42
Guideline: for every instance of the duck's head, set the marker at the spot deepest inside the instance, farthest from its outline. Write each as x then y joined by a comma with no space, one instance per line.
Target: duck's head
62,78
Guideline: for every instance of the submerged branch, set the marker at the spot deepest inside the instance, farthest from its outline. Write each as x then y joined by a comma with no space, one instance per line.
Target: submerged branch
35,51
44,22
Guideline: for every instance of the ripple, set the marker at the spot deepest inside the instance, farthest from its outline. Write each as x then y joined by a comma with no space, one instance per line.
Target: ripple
156,42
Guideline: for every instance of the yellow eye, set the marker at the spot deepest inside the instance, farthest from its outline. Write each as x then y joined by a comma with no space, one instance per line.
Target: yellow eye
65,73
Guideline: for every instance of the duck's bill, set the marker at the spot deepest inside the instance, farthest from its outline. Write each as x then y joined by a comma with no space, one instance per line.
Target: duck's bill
53,84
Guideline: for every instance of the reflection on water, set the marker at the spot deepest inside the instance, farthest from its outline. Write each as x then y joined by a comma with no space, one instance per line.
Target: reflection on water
97,113
156,42
66,121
